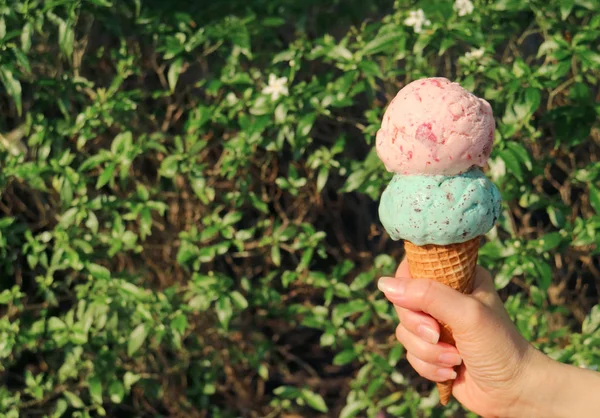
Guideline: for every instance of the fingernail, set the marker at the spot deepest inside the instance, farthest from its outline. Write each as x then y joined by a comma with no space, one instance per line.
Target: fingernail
393,286
428,334
447,374
451,359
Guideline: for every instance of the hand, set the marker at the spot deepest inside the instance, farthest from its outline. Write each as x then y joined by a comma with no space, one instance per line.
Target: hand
498,367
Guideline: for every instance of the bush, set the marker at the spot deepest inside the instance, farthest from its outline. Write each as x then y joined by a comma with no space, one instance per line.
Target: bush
189,198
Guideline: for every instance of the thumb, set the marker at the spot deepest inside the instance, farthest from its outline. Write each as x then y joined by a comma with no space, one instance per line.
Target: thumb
445,304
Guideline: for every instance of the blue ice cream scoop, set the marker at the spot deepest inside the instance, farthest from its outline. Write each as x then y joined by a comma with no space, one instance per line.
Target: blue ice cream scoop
439,209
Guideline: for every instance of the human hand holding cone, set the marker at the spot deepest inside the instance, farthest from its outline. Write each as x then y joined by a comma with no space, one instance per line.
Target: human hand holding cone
434,135
453,265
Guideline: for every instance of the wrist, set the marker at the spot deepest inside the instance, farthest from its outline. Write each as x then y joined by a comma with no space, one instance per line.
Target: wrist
555,390
539,387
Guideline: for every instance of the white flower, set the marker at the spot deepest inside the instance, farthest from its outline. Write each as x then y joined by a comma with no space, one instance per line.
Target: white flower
276,87
417,20
475,54
463,7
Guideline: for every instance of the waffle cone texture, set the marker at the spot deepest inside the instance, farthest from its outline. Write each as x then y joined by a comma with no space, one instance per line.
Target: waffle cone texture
453,265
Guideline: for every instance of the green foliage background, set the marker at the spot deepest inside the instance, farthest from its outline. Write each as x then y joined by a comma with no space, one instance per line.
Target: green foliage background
173,242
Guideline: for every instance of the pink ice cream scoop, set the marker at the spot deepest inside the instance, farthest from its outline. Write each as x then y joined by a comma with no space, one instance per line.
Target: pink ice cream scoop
434,126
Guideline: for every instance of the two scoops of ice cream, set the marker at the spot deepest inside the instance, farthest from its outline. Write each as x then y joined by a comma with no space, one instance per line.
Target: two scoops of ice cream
435,136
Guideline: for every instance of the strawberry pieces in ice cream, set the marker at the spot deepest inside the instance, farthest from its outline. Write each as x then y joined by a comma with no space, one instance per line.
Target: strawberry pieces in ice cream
434,126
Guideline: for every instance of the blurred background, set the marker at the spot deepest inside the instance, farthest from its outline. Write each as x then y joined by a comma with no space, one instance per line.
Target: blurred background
189,192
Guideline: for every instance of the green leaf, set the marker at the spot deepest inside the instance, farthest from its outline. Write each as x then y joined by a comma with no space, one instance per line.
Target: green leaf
60,409
344,310
556,216
505,275
327,339
66,38
510,5
56,324
314,400
116,391
224,311
344,357
121,143
276,255
232,218
258,204
26,37
353,408
537,296
544,273
145,223
130,379
322,178
287,392
395,354
95,387
592,321
239,300
512,163
355,180
594,193
6,297
340,53
520,153
370,69
386,42
263,371
133,290
94,161
520,68
12,86
205,194
98,271
533,98
305,124
174,73
549,241
101,3
445,45
273,21
288,277
136,339
106,176
74,400
169,166
361,281
565,8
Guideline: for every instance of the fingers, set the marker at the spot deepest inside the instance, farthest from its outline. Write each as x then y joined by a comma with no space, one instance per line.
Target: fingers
403,270
436,299
420,324
484,289
431,371
439,355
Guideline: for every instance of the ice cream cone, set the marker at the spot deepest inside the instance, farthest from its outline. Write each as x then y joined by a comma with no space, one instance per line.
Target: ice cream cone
454,265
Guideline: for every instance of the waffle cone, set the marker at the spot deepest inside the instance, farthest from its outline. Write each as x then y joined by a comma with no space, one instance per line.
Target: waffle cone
453,265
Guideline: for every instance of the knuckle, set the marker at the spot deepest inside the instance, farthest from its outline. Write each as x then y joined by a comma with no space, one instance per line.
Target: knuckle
426,293
483,274
403,315
476,314
400,334
408,318
419,366
477,310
